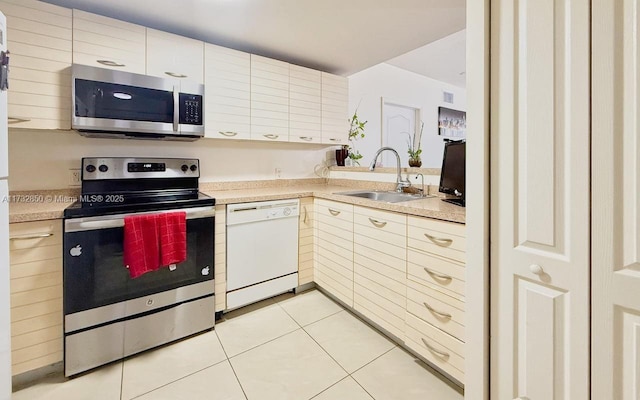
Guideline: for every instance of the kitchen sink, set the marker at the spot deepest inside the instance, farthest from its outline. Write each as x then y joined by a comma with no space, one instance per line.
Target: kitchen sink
387,197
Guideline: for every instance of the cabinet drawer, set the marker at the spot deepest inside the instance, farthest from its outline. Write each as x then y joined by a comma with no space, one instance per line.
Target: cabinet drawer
381,221
443,350
337,211
29,235
445,239
436,272
436,308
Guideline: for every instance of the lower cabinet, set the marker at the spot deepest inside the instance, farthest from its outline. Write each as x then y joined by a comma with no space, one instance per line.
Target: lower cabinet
35,253
380,262
405,274
333,263
305,241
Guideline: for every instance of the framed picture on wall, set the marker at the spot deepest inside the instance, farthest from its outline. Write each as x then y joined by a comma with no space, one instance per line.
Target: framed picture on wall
452,123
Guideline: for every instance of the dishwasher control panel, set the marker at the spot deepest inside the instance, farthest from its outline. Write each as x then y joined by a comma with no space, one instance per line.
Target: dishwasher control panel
262,211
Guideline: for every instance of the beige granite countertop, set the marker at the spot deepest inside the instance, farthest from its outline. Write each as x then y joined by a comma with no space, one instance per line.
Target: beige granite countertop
51,204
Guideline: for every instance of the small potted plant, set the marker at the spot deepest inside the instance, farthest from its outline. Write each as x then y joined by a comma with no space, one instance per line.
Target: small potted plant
356,131
414,149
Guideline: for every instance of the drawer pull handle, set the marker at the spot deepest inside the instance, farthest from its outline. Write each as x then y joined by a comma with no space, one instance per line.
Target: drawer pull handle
377,224
437,275
304,221
335,140
306,138
228,133
435,351
439,241
334,212
271,136
110,63
176,75
30,237
438,313
15,120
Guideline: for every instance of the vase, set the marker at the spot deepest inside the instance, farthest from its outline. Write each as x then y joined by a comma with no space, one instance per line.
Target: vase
341,155
415,162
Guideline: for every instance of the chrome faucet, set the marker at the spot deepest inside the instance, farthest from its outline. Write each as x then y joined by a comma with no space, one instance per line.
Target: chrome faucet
402,183
424,194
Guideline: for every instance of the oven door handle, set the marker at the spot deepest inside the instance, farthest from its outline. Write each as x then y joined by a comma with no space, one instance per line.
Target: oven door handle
117,221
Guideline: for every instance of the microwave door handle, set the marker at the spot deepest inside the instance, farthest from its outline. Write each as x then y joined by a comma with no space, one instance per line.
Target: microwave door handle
176,108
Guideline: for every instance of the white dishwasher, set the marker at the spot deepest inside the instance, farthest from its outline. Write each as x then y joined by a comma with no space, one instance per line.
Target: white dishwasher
262,250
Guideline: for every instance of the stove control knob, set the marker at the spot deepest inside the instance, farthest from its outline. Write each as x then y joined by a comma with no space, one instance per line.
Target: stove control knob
184,168
194,168
90,168
103,168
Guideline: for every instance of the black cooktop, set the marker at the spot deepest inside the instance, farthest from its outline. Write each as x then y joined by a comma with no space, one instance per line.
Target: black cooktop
91,205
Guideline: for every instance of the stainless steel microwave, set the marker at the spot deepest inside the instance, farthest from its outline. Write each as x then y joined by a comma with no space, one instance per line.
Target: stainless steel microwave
109,103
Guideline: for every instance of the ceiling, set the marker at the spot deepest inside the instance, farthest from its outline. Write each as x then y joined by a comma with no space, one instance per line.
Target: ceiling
443,60
338,36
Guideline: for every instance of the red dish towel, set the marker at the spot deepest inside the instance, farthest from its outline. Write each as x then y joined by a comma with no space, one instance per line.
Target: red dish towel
141,244
173,237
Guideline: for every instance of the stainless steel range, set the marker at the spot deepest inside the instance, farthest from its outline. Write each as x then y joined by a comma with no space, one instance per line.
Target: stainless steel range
107,314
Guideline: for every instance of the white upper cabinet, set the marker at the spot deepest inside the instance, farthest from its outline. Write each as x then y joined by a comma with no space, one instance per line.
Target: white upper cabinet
39,36
269,99
305,104
170,55
108,43
227,78
335,104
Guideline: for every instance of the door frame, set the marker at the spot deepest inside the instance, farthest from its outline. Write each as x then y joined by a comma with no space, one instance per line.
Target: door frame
477,312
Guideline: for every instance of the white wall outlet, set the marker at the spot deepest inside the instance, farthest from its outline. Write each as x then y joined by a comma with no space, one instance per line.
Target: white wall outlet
75,176
278,173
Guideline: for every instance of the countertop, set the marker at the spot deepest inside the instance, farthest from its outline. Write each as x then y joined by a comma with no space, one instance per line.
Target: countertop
45,205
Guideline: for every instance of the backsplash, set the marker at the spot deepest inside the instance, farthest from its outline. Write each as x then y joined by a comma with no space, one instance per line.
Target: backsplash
40,160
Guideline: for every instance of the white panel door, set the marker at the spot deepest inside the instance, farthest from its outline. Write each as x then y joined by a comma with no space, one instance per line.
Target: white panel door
616,200
5,313
540,199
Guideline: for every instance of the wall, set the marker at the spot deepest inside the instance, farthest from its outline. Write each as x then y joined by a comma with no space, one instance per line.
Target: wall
42,159
404,87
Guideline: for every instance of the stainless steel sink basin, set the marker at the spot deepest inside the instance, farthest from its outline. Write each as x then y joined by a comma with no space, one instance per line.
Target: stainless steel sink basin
388,197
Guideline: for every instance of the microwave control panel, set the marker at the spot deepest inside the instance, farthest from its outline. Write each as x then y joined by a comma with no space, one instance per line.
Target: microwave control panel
190,109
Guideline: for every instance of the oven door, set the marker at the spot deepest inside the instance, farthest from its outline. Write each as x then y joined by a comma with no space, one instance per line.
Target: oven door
97,285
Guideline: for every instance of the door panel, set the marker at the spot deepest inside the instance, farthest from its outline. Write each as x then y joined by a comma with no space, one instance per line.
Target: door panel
540,199
615,199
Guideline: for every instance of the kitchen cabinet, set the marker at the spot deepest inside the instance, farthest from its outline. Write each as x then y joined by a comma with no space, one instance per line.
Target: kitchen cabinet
269,99
335,104
174,56
380,262
333,263
108,43
35,253
435,293
305,105
39,36
305,241
227,104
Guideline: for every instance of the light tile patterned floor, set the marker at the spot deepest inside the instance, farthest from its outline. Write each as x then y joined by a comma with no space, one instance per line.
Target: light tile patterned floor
299,347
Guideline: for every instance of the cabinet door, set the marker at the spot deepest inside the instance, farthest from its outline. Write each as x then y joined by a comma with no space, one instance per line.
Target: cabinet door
305,106
170,55
615,231
305,241
227,93
380,265
269,99
335,114
36,294
333,258
108,43
540,199
39,37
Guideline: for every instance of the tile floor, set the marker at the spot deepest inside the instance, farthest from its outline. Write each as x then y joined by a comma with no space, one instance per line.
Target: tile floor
288,348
